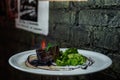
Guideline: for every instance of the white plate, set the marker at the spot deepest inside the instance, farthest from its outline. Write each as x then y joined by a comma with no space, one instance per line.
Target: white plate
101,62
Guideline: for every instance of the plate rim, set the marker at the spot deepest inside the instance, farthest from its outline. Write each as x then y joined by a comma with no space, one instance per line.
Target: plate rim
60,73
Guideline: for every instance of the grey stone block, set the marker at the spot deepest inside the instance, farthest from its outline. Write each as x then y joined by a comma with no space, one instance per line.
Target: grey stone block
83,4
93,17
106,38
61,16
61,32
97,3
112,2
115,21
79,37
60,4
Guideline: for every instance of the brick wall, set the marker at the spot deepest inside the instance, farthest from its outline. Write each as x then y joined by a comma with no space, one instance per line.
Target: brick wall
92,25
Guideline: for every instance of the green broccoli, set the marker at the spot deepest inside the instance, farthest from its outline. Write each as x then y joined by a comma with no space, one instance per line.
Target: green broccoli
70,57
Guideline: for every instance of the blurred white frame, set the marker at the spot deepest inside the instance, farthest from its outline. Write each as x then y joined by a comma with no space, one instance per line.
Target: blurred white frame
42,24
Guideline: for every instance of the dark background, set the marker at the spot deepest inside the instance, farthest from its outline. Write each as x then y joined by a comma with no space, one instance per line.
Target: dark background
92,25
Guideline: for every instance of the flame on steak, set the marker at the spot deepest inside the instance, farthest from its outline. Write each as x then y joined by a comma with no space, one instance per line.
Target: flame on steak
43,44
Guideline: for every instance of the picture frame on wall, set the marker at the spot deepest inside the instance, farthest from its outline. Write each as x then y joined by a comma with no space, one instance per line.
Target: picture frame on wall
28,10
33,16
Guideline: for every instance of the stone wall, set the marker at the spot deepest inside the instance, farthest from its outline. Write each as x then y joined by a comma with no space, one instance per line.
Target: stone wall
92,25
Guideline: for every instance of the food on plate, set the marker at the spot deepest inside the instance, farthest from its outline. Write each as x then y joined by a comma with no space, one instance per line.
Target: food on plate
71,57
47,56
52,58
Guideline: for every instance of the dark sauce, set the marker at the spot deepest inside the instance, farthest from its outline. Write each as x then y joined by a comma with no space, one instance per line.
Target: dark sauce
37,63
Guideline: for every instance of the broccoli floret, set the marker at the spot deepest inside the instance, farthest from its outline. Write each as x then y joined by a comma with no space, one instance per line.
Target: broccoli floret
70,57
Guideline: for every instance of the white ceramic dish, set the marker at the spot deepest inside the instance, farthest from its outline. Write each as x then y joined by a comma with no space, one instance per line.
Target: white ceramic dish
101,62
